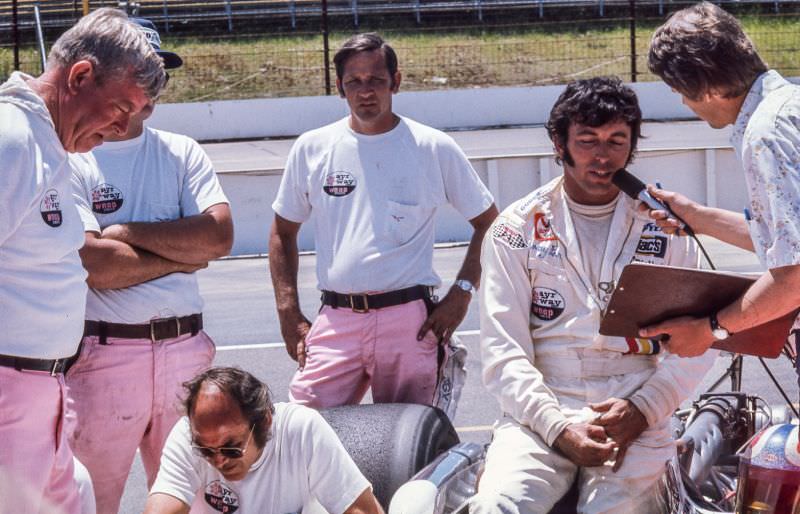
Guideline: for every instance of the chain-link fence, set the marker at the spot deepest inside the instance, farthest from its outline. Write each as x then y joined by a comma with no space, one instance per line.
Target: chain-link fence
278,50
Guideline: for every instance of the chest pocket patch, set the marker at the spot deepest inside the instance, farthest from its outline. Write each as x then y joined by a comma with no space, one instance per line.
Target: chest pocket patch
50,208
221,497
106,199
339,183
547,304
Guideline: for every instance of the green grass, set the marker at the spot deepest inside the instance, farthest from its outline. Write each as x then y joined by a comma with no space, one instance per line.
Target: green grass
271,66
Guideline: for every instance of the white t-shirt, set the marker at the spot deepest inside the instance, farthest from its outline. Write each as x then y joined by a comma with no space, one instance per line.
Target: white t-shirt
303,463
373,200
592,223
158,176
42,281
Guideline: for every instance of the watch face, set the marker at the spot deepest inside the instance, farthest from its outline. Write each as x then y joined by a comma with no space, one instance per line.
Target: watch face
720,333
465,285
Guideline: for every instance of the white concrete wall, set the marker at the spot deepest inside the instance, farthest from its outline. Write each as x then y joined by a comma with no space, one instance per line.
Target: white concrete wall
711,176
446,109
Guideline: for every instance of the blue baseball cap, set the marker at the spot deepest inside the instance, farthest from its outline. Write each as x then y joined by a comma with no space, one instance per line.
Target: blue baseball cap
148,28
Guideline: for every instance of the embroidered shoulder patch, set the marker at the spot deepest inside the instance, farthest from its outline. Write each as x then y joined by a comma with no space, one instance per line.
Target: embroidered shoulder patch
509,236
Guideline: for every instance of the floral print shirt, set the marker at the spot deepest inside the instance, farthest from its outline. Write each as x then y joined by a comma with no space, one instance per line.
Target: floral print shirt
766,138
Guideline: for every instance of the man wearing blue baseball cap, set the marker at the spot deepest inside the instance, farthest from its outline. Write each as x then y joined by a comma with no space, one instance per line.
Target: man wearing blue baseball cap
153,214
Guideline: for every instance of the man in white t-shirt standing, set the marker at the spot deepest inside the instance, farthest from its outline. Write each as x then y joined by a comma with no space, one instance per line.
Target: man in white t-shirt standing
99,74
153,213
237,452
373,182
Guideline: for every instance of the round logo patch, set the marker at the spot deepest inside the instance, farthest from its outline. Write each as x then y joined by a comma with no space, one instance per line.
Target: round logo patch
339,183
50,207
221,497
106,199
548,304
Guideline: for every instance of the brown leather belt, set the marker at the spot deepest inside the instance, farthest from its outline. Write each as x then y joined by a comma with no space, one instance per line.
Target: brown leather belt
156,330
52,366
365,302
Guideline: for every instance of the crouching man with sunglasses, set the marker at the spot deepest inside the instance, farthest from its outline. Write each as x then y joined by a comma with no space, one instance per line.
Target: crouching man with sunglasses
237,452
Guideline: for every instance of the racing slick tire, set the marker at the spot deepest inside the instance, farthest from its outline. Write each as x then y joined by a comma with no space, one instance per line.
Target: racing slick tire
390,442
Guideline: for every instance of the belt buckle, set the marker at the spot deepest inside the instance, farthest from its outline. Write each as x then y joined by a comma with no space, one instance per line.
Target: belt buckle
54,370
155,322
360,310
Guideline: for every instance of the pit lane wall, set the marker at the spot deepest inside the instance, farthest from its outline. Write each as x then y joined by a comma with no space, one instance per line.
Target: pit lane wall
684,155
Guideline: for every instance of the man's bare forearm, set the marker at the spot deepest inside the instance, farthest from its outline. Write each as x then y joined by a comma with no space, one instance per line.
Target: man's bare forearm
774,294
471,267
284,261
191,240
724,225
115,265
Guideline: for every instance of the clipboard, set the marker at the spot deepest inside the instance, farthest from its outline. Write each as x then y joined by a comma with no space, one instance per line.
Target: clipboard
649,293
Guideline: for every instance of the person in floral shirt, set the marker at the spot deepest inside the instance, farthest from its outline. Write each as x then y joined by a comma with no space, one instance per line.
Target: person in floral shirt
704,55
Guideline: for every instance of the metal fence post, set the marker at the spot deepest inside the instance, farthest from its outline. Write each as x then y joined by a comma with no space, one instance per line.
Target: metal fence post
293,13
15,27
39,36
229,14
166,16
325,48
632,7
354,7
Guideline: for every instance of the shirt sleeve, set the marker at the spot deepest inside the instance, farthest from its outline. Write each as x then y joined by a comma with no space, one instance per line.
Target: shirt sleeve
201,188
334,479
775,160
463,187
178,475
292,200
676,377
19,181
509,371
82,193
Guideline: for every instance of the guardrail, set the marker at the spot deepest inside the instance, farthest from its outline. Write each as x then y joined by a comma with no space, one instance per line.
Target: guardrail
168,13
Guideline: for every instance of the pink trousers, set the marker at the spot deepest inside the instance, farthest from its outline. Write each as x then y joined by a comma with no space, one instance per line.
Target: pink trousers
36,467
347,352
127,395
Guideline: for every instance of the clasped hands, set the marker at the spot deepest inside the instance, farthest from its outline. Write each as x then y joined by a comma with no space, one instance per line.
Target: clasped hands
618,423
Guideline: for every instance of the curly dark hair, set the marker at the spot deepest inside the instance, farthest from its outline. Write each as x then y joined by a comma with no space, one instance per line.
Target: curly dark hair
366,42
593,102
252,396
703,49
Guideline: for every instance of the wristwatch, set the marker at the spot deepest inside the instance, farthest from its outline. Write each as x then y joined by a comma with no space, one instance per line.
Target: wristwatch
720,333
464,285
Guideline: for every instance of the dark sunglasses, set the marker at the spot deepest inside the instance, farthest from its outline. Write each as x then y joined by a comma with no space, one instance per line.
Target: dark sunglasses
230,452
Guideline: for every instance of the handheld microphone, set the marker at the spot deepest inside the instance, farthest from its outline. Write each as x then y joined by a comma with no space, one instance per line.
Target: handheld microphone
637,190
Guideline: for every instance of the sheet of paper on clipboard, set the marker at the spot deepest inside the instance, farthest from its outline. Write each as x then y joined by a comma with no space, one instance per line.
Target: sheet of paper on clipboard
648,293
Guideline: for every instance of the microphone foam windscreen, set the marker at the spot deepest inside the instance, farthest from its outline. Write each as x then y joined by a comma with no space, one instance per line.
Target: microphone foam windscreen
629,184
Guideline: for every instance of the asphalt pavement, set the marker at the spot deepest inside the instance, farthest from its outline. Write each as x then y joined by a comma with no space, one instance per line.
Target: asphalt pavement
240,316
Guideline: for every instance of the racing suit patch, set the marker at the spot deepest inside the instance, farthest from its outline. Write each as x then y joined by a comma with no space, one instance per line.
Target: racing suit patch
652,245
509,236
638,346
547,304
541,228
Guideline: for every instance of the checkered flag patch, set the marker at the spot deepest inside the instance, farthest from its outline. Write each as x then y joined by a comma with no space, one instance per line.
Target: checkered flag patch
508,235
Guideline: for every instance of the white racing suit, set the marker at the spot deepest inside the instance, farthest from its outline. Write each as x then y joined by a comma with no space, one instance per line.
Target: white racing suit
544,360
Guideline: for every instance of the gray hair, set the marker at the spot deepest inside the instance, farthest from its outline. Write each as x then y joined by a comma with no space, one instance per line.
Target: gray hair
115,46
703,49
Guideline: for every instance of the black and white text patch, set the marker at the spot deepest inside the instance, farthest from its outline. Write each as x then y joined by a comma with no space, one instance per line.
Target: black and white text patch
50,207
547,304
339,183
221,497
106,199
